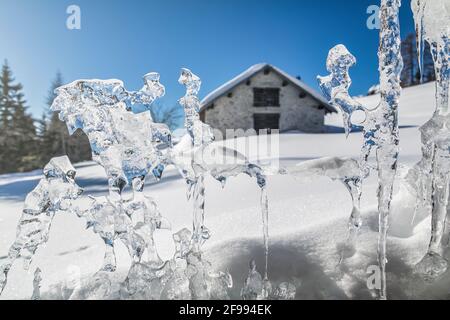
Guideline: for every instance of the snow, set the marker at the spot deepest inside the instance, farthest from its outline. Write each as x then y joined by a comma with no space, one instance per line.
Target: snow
307,222
223,89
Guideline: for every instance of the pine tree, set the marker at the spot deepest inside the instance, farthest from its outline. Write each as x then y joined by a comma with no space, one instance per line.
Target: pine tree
7,96
17,130
42,126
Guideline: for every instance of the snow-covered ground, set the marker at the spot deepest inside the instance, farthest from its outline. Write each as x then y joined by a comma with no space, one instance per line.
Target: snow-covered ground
308,222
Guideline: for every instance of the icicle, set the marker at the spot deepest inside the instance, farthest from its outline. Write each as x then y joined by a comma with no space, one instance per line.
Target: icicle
381,124
37,284
265,222
390,68
433,171
201,136
197,157
419,33
129,146
432,26
200,232
345,170
353,185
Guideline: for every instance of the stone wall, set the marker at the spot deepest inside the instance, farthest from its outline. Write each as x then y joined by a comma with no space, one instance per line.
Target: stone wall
235,110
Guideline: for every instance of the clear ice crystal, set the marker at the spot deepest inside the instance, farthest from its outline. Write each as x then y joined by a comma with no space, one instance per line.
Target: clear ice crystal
144,281
196,156
124,143
256,287
187,276
253,286
284,291
55,192
432,26
336,85
432,173
37,284
129,145
133,222
200,133
381,124
199,137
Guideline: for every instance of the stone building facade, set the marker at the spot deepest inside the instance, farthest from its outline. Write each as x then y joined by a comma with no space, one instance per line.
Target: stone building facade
265,97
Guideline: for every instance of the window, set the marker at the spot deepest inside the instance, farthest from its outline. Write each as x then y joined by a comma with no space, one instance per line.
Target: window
264,121
266,97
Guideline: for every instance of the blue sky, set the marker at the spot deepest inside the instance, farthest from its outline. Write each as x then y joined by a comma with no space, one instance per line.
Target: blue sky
216,39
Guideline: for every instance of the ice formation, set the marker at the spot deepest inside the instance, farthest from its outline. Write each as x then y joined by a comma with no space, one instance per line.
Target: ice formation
132,221
253,287
186,276
54,193
258,288
284,291
199,137
127,145
345,170
37,284
381,123
335,87
196,156
431,176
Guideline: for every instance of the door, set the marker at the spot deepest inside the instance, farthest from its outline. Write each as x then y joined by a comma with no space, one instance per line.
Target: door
264,121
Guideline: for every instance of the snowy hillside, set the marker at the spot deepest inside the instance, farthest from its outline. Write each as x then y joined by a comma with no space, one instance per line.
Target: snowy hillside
307,222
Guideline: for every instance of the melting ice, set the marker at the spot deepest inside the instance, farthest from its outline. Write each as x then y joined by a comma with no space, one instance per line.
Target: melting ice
381,123
431,176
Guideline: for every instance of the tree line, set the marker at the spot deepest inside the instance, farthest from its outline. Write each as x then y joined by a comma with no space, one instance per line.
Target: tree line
26,143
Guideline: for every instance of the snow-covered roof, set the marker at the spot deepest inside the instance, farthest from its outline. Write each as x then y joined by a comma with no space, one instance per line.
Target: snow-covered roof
244,76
